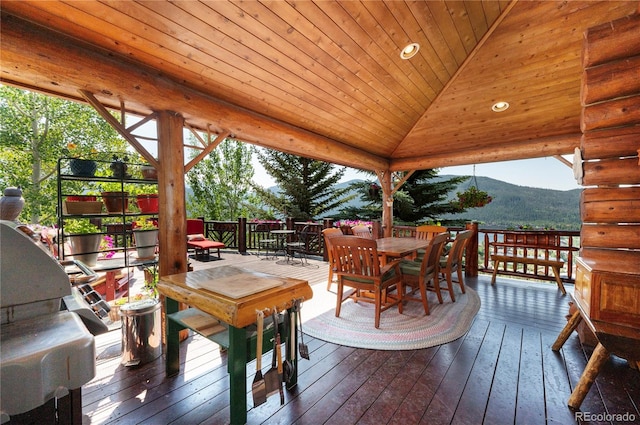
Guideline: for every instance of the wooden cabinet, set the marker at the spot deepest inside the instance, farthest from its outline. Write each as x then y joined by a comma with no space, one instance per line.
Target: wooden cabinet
610,303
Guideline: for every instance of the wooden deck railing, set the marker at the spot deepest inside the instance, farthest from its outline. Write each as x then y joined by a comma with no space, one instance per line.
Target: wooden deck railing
544,244
548,244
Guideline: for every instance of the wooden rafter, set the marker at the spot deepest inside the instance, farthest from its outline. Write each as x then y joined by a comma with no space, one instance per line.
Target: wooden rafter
396,184
208,145
124,132
563,160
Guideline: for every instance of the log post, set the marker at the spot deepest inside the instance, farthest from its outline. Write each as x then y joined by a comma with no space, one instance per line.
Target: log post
242,235
471,252
171,195
387,203
607,268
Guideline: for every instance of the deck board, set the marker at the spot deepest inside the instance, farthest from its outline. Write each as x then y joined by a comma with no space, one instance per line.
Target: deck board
501,372
473,401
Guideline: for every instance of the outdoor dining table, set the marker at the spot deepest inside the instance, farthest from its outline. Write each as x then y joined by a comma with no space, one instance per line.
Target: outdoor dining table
230,297
393,247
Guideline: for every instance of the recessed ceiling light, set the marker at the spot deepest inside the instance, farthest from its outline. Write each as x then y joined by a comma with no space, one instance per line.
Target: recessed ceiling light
409,51
500,106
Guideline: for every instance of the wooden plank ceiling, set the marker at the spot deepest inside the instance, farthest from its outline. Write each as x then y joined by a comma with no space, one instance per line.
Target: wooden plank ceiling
325,79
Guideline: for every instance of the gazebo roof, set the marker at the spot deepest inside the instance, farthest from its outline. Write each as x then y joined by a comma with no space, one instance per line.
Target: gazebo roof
325,79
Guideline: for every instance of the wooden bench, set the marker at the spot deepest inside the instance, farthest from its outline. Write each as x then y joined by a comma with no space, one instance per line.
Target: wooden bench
556,265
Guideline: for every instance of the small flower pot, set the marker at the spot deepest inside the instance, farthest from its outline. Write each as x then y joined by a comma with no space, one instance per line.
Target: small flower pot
83,167
85,247
149,172
148,203
146,241
119,170
116,202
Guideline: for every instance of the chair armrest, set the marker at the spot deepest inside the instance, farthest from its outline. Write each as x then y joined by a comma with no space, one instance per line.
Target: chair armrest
395,264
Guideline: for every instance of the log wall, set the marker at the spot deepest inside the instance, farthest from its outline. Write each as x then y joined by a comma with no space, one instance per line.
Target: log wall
610,203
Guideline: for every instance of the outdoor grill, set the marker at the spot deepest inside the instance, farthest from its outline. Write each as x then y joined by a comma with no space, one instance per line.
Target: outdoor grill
46,351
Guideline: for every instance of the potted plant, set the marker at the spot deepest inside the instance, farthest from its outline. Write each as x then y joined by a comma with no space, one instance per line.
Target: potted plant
148,203
473,198
115,199
84,239
82,204
119,167
148,172
78,166
146,237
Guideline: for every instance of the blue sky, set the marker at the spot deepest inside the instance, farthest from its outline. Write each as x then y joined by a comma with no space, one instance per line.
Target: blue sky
546,173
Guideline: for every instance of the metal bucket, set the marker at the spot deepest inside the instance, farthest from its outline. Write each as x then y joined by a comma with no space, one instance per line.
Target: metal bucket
141,332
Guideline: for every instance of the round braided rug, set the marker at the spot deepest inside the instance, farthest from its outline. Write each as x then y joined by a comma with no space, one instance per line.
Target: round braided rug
407,331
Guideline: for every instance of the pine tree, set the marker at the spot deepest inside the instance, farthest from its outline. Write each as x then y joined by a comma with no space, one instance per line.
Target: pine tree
429,195
422,198
307,186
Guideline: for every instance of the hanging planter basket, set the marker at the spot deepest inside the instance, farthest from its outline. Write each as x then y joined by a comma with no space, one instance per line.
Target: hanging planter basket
473,198
374,191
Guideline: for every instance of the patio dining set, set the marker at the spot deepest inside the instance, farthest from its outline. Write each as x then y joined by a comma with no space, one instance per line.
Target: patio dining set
389,271
292,245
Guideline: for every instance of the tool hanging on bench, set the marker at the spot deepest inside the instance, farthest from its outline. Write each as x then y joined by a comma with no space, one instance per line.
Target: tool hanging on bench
258,387
271,378
304,349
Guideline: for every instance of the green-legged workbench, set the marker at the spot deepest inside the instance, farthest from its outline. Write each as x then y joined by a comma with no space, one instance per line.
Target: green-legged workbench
232,296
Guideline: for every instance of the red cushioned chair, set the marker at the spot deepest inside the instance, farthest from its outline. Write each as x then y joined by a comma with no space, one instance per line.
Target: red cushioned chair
198,242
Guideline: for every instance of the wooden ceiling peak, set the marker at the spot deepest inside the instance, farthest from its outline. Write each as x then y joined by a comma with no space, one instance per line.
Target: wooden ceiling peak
324,79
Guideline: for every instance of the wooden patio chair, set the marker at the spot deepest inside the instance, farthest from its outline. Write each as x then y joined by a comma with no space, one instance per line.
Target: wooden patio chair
427,231
362,232
328,234
417,275
453,261
358,267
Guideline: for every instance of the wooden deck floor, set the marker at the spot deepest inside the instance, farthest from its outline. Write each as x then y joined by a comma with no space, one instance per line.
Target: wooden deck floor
502,372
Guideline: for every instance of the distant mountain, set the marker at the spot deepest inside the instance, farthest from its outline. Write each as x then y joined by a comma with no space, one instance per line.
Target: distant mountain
515,206
512,206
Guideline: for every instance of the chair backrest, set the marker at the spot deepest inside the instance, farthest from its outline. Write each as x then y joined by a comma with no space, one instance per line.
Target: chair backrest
431,260
328,234
454,258
303,235
355,255
362,231
428,231
261,228
195,226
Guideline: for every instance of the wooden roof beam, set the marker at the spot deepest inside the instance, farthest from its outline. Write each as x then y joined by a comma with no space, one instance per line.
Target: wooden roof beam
559,145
